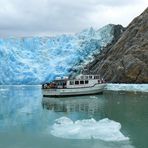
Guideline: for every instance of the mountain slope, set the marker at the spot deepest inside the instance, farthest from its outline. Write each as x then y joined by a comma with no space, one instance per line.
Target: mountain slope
34,60
127,60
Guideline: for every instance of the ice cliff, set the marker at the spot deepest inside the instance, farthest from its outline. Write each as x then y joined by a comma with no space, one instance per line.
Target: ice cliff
34,60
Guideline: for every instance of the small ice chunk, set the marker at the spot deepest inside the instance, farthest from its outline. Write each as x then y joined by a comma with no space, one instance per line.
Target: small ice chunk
64,121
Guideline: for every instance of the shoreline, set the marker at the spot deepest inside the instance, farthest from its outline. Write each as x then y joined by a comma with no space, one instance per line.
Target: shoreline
122,87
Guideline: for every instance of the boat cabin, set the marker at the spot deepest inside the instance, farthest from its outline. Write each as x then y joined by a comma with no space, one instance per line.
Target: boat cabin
81,81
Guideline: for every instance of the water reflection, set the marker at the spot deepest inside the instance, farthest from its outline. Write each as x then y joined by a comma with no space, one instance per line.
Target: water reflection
131,111
25,114
84,104
19,107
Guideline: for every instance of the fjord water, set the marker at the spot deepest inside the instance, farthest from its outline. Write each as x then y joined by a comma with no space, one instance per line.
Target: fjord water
27,119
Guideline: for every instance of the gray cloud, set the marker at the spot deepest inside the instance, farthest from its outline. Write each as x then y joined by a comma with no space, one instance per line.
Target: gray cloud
49,17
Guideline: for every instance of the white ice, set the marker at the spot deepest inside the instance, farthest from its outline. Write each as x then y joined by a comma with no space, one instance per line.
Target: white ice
128,87
105,129
34,60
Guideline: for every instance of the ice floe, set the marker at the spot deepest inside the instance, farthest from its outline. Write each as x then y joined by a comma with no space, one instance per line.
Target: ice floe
105,129
128,87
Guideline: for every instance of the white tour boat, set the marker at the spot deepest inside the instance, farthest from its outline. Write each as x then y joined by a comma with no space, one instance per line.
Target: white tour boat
81,85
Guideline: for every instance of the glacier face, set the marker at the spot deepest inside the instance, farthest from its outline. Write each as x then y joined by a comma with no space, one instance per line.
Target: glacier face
35,60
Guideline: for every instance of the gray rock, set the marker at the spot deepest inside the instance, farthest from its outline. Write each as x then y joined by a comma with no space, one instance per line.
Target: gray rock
127,59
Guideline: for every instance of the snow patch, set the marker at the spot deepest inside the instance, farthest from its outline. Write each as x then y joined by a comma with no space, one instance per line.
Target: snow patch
105,129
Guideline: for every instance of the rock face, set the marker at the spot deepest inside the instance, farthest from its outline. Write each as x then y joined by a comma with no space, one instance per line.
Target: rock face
127,60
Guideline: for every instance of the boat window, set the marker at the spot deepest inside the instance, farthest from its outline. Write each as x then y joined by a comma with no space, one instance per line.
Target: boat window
81,82
86,81
76,82
82,77
86,77
96,77
71,83
90,77
64,83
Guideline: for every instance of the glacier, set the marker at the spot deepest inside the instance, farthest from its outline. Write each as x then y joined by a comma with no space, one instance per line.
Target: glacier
35,60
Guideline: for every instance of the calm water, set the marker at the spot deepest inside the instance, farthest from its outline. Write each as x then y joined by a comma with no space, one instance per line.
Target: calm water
26,118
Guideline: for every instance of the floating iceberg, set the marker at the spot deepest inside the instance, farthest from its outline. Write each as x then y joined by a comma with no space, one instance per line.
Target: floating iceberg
105,129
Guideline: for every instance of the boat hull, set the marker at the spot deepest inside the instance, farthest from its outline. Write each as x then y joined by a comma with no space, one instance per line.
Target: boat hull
98,88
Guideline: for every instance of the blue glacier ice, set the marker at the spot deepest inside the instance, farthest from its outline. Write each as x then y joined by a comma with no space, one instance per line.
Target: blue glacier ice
35,60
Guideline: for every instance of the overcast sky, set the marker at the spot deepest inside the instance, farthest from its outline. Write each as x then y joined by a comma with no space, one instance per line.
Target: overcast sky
51,17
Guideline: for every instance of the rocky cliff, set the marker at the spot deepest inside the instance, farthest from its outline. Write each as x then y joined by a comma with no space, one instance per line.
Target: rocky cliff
125,61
